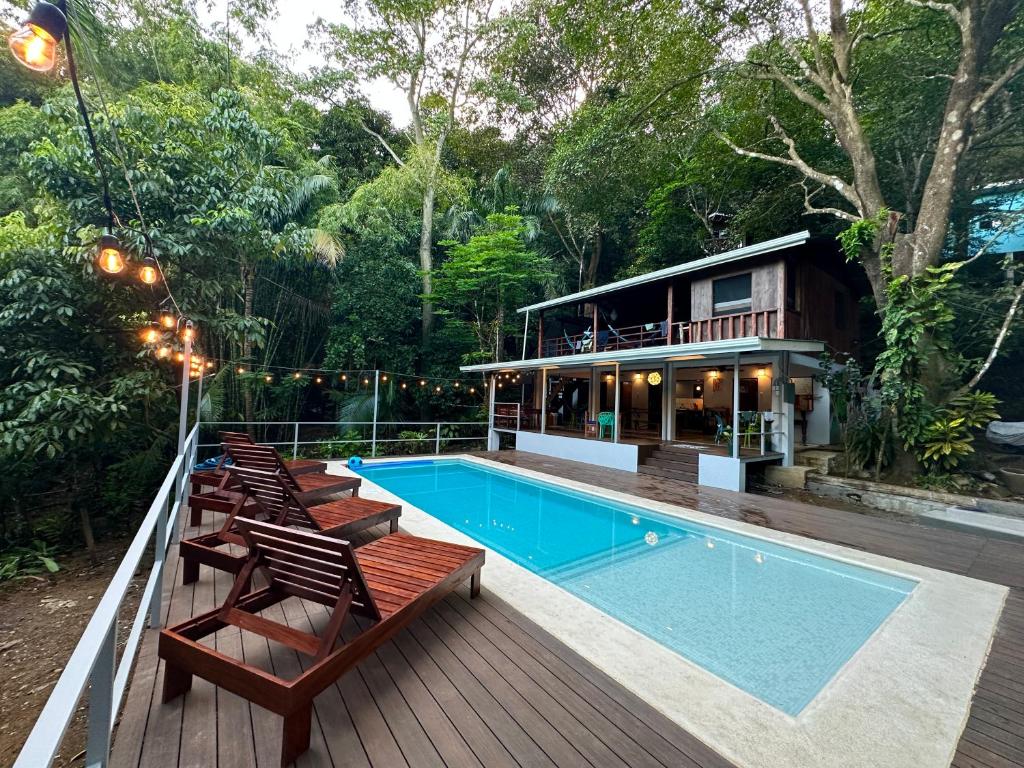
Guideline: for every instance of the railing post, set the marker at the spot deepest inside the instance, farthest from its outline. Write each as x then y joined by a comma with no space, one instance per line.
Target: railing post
437,439
101,699
159,556
376,400
295,442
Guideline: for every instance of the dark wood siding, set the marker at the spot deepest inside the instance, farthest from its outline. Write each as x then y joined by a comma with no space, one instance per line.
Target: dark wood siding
826,309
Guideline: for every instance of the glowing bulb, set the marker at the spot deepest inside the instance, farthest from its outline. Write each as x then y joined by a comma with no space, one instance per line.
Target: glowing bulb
384,377
456,385
499,385
167,320
422,383
209,363
404,385
366,380
296,375
163,352
268,379
239,370
180,357
472,390
318,380
110,259
437,389
344,377
34,47
149,273
150,335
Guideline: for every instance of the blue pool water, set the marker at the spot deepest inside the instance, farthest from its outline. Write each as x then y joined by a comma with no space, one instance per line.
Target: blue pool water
772,620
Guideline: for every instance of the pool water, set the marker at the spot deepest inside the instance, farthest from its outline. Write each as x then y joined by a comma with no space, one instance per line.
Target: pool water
774,621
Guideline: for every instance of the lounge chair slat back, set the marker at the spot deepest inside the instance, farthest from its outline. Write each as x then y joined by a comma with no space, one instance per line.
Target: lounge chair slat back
263,457
273,495
329,566
239,438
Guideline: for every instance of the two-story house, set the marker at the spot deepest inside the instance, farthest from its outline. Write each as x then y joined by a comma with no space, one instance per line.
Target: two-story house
692,372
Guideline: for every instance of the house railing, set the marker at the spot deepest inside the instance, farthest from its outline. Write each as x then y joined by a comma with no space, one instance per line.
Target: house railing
766,323
285,435
94,661
508,416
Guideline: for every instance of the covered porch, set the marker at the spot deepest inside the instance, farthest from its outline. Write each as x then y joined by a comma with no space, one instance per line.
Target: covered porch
736,402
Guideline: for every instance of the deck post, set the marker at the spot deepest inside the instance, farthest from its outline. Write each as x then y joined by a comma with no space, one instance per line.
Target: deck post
101,702
668,334
668,399
199,397
186,366
540,333
616,420
736,406
788,412
492,436
526,332
543,400
376,402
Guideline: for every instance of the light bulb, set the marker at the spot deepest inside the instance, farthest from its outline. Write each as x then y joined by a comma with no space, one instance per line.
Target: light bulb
240,370
149,273
163,352
150,335
384,377
268,379
167,320
110,259
34,47
296,375
318,380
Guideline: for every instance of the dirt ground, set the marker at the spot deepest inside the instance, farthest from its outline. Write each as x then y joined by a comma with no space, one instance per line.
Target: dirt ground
41,621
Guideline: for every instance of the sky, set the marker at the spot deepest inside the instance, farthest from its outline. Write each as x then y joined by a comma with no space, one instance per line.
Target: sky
288,35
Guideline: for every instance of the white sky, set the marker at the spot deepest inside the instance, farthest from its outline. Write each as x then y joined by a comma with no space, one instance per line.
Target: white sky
288,35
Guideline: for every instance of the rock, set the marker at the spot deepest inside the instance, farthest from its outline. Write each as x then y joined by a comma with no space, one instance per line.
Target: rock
999,491
985,475
960,481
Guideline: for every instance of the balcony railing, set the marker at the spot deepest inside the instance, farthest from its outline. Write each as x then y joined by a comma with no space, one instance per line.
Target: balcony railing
766,323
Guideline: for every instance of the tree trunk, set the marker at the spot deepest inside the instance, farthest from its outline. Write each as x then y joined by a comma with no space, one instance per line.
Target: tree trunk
595,259
426,255
249,289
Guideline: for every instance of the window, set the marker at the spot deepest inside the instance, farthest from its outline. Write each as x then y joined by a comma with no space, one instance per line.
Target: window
840,311
731,295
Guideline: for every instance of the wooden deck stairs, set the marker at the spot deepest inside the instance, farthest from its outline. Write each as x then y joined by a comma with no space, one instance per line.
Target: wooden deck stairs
675,462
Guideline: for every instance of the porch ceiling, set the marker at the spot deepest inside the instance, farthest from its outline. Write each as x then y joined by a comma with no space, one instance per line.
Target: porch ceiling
708,350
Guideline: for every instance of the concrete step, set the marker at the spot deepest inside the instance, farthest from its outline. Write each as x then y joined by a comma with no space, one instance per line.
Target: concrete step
675,466
788,477
687,477
821,460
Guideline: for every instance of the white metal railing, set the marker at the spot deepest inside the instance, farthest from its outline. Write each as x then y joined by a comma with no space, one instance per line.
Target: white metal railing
94,660
507,414
374,439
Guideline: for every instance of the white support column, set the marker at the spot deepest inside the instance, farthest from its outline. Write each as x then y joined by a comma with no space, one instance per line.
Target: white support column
736,407
594,401
526,331
668,411
788,412
492,436
543,400
616,428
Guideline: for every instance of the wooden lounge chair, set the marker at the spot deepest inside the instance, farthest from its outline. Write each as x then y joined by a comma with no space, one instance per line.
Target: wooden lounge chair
206,480
390,581
266,496
295,466
311,488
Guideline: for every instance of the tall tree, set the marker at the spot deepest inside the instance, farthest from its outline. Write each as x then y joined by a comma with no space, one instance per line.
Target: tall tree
434,51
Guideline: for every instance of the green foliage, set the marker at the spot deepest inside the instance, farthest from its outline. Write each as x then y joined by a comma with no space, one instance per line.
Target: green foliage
27,561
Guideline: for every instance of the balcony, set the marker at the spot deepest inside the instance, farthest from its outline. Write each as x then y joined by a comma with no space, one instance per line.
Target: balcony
766,324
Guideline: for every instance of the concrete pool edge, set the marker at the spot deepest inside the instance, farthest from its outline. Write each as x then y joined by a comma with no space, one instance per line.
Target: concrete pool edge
901,700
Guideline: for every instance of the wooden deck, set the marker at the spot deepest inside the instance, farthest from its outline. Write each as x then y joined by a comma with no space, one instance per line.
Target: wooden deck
478,684
473,683
994,734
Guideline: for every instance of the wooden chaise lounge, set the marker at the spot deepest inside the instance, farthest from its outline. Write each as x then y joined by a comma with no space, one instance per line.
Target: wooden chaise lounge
266,496
210,478
311,488
390,581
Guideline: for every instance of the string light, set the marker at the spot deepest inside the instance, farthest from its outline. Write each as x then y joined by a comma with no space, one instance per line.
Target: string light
366,380
209,363
180,357
163,352
110,259
296,375
148,272
168,321
240,370
404,385
268,378
318,380
437,389
344,377
384,377
423,383
150,335
472,390
456,385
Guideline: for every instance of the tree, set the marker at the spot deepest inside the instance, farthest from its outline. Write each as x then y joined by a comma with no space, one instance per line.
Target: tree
434,51
487,277
899,235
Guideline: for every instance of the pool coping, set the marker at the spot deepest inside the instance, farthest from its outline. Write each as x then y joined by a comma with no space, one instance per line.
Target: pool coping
901,699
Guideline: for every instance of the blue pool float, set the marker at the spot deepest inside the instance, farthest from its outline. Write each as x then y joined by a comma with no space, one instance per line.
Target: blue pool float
354,462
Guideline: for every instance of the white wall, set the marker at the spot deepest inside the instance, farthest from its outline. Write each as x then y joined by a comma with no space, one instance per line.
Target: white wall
600,452
819,421
722,472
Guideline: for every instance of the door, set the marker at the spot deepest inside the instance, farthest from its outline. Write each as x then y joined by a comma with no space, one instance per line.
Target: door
748,395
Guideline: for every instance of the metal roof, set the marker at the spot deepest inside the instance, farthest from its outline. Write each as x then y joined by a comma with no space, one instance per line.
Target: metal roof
788,241
691,351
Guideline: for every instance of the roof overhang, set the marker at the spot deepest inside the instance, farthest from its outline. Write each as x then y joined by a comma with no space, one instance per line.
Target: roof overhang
705,350
778,244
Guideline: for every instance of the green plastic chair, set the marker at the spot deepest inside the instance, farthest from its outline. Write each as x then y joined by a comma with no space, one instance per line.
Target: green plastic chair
605,419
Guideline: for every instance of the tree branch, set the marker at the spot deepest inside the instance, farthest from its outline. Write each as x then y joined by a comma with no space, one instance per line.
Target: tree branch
383,142
997,85
947,8
1004,331
810,208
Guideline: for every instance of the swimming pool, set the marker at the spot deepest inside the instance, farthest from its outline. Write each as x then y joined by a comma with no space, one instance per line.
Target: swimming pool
772,620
